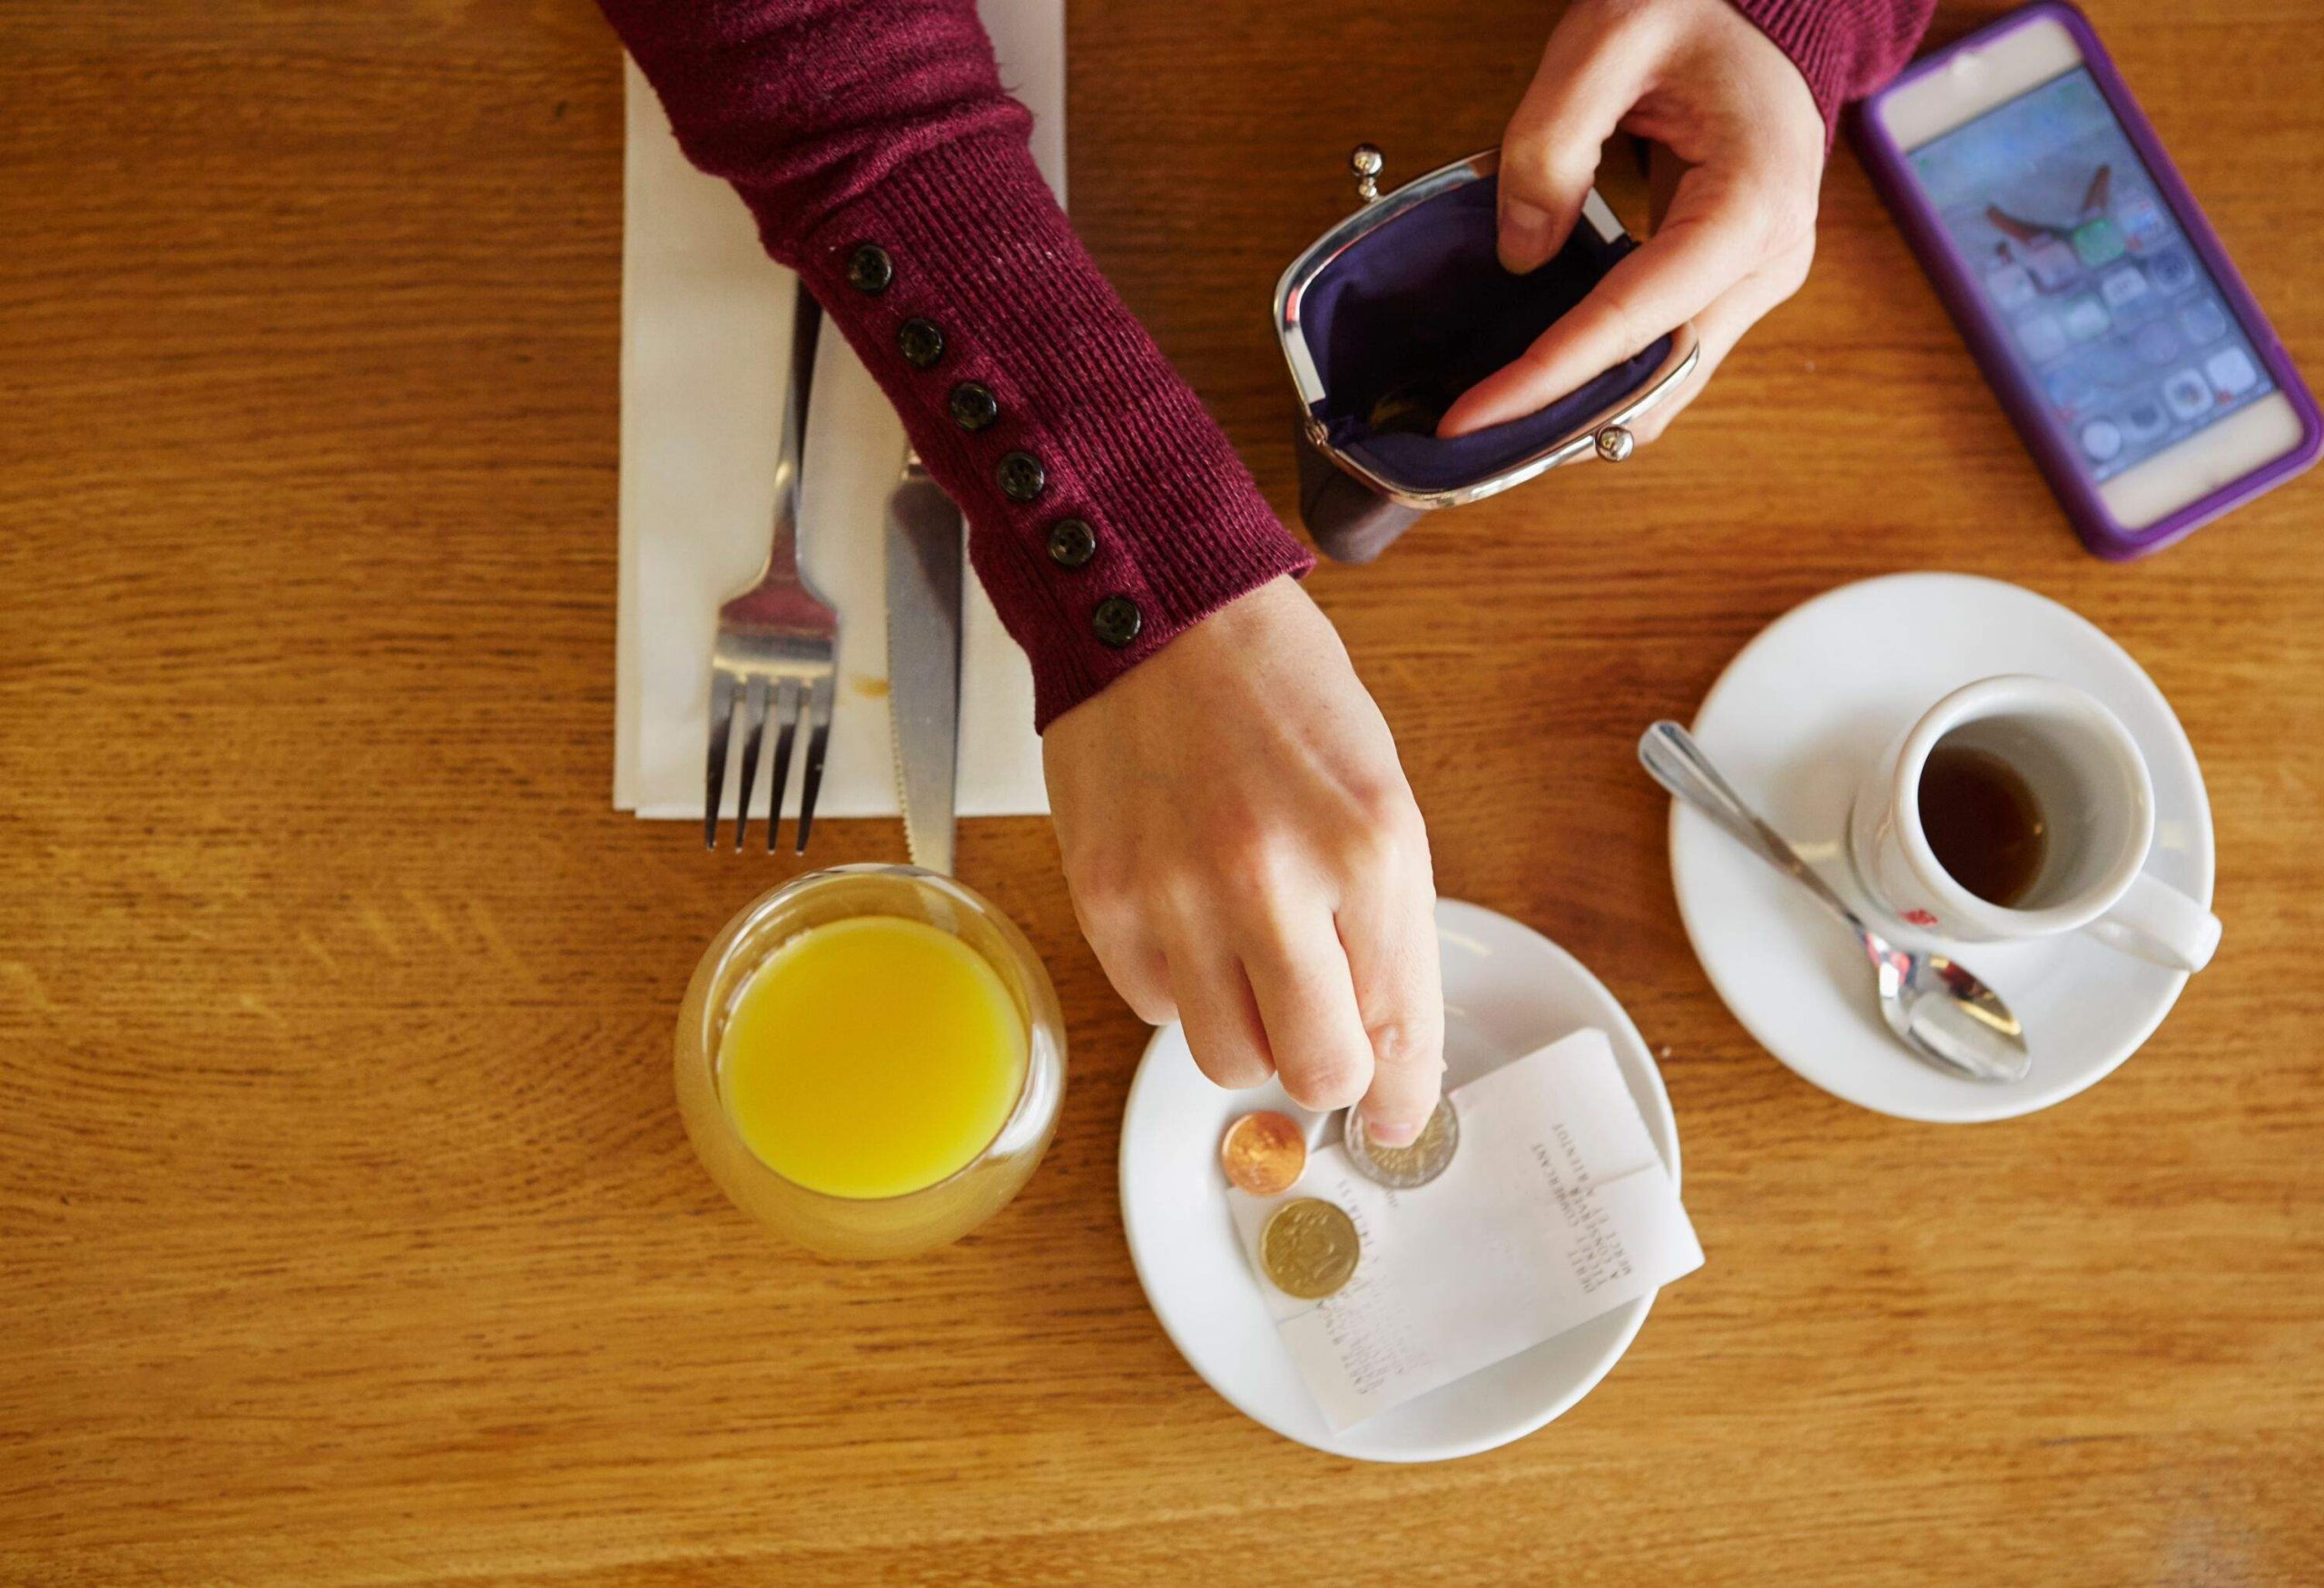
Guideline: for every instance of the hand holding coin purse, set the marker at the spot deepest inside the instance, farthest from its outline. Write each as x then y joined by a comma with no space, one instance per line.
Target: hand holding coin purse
1393,314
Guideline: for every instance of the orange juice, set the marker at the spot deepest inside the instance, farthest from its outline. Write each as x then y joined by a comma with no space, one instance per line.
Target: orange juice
872,1057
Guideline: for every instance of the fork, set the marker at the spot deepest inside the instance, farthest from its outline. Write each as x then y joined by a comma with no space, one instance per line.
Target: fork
776,639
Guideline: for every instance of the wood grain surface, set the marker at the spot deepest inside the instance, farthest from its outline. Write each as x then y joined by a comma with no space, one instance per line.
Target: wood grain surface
347,1231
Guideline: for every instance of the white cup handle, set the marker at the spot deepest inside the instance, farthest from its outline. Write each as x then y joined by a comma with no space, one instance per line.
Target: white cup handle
2159,924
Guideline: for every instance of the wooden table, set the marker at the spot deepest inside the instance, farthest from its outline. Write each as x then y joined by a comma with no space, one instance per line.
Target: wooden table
347,1232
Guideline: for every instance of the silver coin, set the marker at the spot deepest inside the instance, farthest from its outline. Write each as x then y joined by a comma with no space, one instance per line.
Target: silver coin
1402,1168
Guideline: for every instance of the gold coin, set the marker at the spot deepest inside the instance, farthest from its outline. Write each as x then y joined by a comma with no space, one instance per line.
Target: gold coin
1309,1249
1264,1153
1401,1168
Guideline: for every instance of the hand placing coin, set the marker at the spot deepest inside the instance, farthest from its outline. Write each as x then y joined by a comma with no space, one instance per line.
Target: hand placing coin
1401,1168
1264,1153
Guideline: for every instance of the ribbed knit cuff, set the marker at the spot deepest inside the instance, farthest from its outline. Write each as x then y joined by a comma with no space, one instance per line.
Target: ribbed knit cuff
979,247
1814,37
1844,48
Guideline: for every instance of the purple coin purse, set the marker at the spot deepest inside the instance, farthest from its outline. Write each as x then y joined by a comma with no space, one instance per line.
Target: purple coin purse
1393,314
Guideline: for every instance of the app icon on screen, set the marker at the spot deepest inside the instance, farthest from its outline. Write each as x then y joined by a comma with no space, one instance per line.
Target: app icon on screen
2171,269
2122,286
2067,390
2101,441
2155,343
2142,218
2053,264
2144,420
2187,393
2202,322
2011,285
2086,318
2042,337
2098,242
2231,373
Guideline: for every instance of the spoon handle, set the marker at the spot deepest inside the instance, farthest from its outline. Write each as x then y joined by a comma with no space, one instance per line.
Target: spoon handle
1670,754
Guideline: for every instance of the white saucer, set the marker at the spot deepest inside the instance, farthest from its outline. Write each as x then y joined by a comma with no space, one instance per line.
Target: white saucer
1508,990
1794,721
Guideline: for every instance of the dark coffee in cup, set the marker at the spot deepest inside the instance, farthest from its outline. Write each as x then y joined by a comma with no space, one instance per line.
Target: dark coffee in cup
2019,807
1983,822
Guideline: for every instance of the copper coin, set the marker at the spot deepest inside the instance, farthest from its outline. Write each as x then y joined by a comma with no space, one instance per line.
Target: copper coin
1264,1153
1309,1249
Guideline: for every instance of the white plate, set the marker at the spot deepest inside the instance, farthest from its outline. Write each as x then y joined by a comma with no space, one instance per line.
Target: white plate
1793,721
1508,990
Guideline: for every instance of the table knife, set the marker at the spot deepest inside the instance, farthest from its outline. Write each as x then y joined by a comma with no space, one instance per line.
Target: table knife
924,554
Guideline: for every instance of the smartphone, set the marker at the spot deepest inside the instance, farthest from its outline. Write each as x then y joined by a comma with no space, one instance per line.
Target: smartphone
2094,295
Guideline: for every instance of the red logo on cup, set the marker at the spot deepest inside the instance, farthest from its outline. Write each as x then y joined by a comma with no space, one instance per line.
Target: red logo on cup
1920,918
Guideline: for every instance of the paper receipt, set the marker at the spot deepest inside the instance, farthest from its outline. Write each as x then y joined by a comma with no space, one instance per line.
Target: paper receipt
1555,1209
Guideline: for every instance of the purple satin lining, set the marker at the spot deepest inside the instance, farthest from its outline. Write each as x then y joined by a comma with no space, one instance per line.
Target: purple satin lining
1422,305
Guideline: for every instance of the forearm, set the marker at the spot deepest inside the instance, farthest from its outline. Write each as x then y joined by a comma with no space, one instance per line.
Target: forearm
847,122
1844,48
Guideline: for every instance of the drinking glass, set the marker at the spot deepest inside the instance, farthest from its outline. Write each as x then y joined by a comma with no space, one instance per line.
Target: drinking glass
852,1226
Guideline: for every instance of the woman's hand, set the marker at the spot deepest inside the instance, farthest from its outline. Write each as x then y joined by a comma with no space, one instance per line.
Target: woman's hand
1719,99
1245,857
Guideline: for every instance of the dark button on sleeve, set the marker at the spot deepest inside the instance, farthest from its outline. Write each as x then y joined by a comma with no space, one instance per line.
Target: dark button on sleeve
1117,622
922,341
1072,543
1021,476
974,405
869,267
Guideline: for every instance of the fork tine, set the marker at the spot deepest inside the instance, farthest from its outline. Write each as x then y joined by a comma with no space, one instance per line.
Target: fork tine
786,726
722,711
819,718
754,733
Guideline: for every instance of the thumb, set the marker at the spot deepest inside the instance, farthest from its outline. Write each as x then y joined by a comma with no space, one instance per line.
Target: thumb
1593,71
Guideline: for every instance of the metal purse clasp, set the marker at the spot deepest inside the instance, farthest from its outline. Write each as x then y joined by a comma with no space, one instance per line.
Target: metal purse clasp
1606,435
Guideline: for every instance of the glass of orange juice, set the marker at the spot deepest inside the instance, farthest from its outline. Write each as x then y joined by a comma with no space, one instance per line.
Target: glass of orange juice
871,1060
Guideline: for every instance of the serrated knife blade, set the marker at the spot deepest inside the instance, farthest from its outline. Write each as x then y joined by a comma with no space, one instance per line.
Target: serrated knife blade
924,553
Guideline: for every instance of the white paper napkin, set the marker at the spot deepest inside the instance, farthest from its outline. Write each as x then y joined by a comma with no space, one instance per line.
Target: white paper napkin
1555,1209
705,334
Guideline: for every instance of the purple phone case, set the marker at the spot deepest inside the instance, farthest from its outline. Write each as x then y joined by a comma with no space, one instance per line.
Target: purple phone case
1954,283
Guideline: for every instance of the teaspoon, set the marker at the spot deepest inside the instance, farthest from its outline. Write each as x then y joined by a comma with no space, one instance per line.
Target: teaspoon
1935,1007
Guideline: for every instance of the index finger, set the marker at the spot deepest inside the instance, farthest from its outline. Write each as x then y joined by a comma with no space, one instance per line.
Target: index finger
1593,71
1306,1003
1701,250
1391,942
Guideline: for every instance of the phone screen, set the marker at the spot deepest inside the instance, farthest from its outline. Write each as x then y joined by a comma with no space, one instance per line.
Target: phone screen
2102,297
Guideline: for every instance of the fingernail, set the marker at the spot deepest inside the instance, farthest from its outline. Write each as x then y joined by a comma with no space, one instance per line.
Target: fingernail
1525,236
1392,1133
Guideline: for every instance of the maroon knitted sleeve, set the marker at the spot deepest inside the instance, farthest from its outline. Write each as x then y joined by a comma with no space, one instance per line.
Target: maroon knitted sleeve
1845,48
847,122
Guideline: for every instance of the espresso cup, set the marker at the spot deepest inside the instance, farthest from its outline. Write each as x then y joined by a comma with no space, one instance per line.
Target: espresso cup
2092,808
